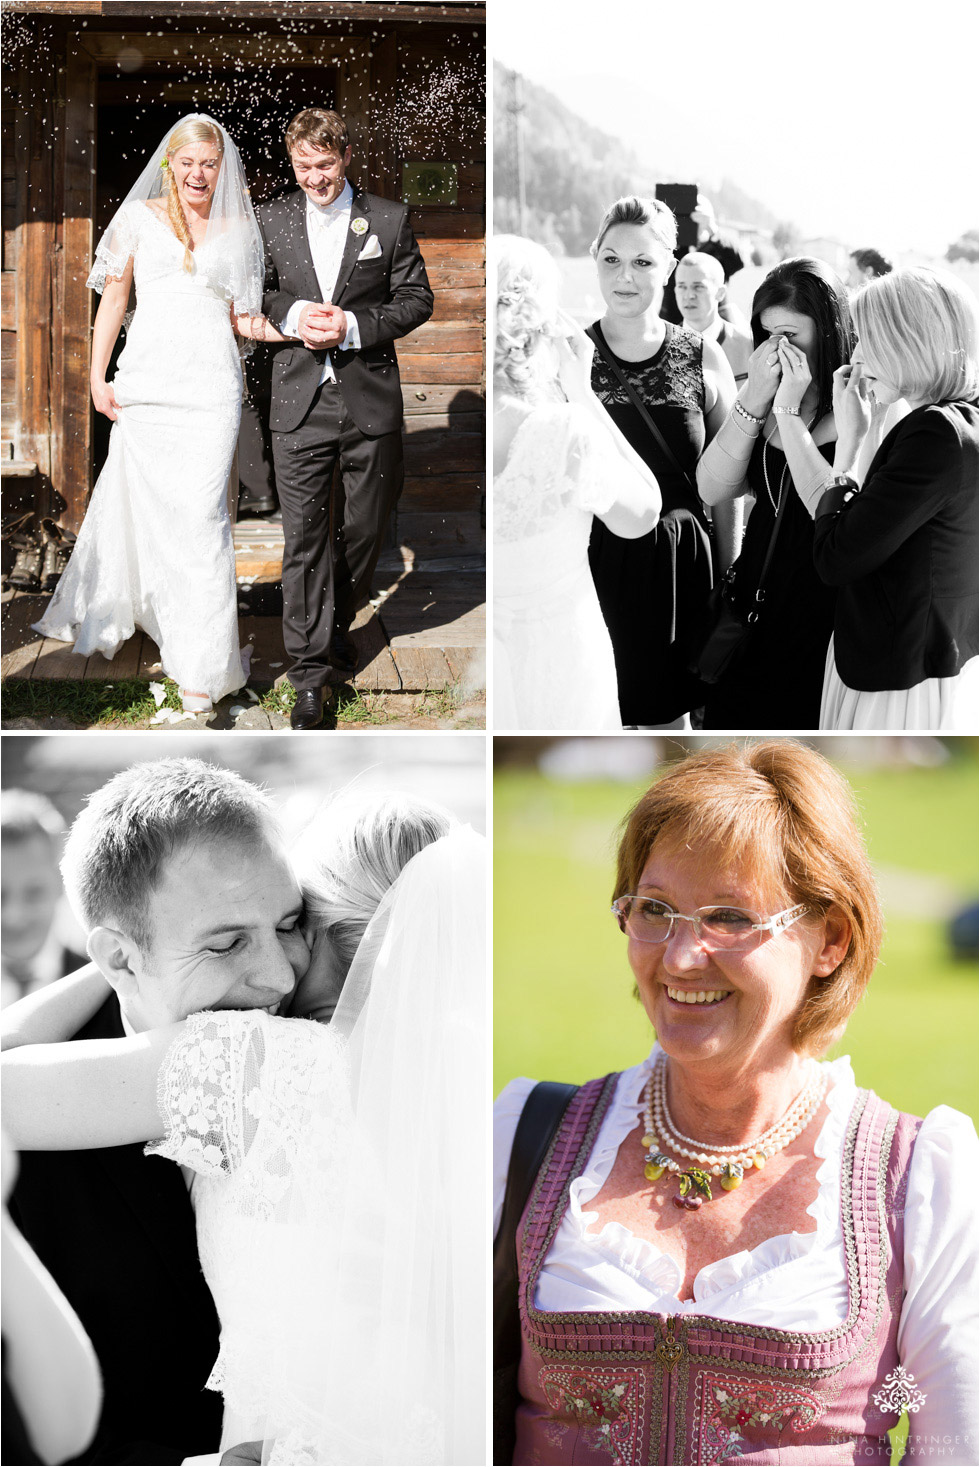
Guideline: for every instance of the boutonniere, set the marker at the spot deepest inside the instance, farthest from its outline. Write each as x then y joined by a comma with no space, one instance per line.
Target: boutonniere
359,226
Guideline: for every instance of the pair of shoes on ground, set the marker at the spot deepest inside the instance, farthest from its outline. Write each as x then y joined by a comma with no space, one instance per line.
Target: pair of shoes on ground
41,554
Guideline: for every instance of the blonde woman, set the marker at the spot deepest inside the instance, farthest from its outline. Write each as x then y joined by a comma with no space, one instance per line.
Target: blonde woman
155,550
558,460
903,550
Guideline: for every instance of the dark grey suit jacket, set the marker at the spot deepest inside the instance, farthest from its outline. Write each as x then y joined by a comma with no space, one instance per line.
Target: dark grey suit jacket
390,296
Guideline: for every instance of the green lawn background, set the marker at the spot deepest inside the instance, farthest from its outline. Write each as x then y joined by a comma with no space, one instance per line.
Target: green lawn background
563,1005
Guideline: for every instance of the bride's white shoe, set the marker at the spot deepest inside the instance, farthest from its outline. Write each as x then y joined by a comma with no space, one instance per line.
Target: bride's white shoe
195,702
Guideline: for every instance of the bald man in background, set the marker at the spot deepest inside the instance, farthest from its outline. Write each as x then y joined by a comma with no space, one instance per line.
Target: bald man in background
699,286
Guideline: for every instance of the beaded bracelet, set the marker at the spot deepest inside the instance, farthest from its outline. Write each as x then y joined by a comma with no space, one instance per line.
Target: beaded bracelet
749,417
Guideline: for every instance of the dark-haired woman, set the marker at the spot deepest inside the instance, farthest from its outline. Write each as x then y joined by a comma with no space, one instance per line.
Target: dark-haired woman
776,681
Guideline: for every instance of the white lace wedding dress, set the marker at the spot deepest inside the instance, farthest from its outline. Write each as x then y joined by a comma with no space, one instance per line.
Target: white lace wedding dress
258,1108
553,660
155,549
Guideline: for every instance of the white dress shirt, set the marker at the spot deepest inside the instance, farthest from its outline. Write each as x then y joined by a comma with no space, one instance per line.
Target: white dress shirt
326,230
796,1281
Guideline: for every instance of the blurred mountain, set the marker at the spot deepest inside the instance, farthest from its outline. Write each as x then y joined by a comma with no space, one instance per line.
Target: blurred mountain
573,171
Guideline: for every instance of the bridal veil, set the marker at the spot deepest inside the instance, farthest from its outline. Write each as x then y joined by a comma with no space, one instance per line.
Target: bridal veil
385,1358
232,254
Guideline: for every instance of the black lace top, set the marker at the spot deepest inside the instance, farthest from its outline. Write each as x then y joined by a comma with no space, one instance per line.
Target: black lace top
671,387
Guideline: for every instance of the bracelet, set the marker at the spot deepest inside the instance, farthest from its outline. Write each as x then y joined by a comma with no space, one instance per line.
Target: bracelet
744,432
749,417
793,412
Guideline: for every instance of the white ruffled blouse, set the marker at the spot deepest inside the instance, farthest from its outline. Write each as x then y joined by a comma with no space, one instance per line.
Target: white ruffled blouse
796,1281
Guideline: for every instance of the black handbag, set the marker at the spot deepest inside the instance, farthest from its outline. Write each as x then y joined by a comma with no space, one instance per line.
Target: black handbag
725,629
540,1119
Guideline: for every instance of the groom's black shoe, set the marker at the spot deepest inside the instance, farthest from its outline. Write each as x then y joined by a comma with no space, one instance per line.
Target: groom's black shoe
343,653
308,709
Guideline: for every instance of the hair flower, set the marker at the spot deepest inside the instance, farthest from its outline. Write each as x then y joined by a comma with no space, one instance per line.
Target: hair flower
164,162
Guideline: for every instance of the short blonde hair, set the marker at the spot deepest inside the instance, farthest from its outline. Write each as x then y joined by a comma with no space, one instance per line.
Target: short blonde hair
781,810
919,327
527,310
632,209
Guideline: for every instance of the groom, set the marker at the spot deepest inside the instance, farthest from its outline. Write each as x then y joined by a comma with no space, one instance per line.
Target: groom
179,875
345,279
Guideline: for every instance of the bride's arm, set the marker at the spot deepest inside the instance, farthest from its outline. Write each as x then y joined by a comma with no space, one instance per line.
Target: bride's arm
86,1094
56,1011
108,321
257,328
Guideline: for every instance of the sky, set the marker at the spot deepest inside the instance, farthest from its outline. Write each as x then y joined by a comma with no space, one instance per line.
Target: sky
858,121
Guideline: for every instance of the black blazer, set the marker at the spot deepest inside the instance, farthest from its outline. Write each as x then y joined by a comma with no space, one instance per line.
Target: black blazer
904,553
116,1229
390,296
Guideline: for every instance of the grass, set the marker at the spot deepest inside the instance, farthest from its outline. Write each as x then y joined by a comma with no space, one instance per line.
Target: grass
440,702
92,704
563,1005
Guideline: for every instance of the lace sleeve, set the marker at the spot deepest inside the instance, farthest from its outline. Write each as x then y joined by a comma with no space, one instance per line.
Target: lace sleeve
116,247
594,468
231,1078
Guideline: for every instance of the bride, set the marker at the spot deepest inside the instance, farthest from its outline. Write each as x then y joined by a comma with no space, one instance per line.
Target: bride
558,460
339,1223
155,549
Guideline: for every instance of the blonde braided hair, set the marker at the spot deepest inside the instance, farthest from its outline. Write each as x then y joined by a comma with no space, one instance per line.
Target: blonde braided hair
194,130
527,312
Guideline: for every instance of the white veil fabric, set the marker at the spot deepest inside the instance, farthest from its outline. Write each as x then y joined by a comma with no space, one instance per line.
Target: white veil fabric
386,1360
232,256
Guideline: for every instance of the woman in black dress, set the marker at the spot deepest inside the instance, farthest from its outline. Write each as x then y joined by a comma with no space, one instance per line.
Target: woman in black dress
776,682
652,590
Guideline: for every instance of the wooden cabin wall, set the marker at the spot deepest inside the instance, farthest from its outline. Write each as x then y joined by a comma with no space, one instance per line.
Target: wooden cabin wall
48,199
441,512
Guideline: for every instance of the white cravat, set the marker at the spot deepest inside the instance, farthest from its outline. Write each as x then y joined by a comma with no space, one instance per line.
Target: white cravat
326,230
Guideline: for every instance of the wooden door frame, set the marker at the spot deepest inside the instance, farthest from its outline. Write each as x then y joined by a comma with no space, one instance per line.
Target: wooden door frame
365,81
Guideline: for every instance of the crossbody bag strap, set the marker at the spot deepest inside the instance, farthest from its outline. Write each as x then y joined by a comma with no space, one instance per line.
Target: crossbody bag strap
640,406
540,1119
785,490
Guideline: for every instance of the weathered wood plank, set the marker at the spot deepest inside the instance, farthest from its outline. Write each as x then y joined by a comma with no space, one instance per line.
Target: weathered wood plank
56,660
448,494
36,239
72,416
125,664
444,453
460,422
465,305
444,337
20,643
436,397
150,660
446,222
465,368
441,534
421,668
462,276
271,10
8,301
453,250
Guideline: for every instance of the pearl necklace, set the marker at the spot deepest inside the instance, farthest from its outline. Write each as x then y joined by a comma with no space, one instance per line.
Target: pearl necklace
663,1141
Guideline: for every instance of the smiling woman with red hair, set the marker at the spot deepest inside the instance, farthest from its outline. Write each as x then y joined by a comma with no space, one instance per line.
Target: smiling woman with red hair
727,1248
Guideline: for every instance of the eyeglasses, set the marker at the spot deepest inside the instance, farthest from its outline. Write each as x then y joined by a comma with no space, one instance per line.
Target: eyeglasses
646,920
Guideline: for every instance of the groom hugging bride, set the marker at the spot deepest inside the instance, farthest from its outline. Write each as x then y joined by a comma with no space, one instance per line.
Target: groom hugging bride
330,277
305,1049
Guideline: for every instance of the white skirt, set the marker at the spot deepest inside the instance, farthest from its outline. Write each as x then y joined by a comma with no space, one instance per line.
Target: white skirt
937,704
